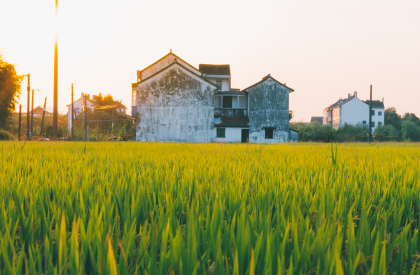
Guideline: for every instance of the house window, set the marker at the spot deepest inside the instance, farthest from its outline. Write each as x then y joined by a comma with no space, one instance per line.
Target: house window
76,110
221,132
269,133
364,122
219,84
227,102
242,102
373,112
379,113
379,123
217,102
373,124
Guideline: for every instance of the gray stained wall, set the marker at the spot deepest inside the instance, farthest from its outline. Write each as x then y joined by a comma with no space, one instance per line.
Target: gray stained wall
268,107
175,105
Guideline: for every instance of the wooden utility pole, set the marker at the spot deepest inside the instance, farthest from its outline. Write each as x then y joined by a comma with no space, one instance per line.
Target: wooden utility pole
97,124
72,114
55,100
32,115
370,115
20,119
84,116
43,114
27,107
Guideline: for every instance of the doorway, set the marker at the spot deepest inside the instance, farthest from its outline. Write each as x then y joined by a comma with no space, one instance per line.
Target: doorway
245,135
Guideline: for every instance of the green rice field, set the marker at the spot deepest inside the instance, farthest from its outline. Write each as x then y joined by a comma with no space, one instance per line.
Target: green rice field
169,208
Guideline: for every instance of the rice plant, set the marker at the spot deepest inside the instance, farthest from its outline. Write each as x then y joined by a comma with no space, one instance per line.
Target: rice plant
163,208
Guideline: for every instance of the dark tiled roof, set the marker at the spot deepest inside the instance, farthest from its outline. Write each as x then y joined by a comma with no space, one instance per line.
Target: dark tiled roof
265,78
375,103
211,69
317,118
341,102
233,122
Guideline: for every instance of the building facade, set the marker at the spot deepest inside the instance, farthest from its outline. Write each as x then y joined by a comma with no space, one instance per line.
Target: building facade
353,111
174,101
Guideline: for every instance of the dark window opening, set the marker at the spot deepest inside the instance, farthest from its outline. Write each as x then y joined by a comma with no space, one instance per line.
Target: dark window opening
221,132
227,102
364,122
373,112
269,133
372,123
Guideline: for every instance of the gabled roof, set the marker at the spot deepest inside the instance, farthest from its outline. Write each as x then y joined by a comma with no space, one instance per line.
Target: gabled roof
182,66
170,53
264,79
375,103
212,69
341,102
317,118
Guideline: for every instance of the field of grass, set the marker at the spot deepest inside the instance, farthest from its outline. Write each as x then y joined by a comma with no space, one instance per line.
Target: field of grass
161,208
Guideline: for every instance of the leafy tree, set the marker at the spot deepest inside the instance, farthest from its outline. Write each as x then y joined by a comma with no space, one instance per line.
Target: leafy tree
386,133
410,131
290,115
9,90
392,118
411,117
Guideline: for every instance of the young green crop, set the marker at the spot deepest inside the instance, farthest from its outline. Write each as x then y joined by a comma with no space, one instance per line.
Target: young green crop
164,208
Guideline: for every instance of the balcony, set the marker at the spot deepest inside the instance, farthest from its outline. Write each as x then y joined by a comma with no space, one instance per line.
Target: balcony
222,112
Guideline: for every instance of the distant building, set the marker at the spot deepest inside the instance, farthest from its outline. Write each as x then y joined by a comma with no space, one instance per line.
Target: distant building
91,104
174,101
352,110
317,119
37,112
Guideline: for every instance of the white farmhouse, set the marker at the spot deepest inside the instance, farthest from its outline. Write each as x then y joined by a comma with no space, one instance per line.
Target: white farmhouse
352,111
91,104
174,101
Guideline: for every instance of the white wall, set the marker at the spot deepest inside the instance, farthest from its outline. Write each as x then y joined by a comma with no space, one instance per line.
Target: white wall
378,118
278,136
78,104
353,112
231,135
225,82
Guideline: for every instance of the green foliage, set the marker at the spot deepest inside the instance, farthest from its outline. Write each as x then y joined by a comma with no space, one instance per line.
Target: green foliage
410,131
4,135
314,131
386,133
9,90
162,208
392,118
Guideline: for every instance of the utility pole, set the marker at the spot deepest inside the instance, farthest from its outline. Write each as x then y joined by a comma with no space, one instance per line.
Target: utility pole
55,100
72,114
43,114
20,119
84,116
32,115
27,107
370,115
97,124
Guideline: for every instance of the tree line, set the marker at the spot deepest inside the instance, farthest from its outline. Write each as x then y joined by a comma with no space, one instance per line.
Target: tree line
396,128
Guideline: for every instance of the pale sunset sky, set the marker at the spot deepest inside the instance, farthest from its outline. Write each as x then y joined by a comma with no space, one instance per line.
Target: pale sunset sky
322,49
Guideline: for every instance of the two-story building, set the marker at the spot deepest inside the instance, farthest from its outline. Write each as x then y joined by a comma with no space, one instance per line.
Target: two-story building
174,101
352,111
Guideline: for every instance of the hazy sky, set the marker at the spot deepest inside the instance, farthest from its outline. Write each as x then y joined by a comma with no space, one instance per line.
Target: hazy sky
322,49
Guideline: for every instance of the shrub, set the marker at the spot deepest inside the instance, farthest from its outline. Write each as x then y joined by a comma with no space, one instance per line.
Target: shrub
4,135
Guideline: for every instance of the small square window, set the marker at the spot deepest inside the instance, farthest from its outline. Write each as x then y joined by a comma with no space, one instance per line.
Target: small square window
219,84
364,122
373,123
379,123
269,133
373,112
221,132
379,113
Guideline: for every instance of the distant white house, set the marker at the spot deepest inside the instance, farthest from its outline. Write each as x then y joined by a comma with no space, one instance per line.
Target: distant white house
90,103
352,111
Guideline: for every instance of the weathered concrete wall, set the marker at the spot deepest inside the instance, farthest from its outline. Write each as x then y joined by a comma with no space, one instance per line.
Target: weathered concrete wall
175,105
268,107
165,62
293,136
